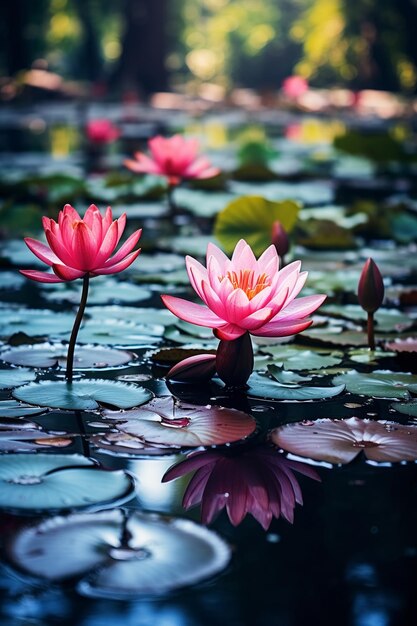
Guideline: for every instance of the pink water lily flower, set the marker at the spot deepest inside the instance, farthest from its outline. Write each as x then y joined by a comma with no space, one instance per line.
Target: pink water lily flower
102,131
80,246
175,157
257,480
243,294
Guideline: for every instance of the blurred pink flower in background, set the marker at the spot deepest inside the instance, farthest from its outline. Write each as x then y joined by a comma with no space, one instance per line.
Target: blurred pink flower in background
256,480
102,131
243,294
80,246
294,87
175,157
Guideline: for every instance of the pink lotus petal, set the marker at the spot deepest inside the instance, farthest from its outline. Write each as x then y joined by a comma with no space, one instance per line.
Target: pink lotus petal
340,441
42,251
41,277
60,250
125,249
66,273
229,332
278,328
116,267
191,312
302,307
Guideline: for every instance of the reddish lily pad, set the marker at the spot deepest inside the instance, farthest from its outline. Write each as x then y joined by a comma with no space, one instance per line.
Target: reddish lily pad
168,422
55,354
340,441
402,345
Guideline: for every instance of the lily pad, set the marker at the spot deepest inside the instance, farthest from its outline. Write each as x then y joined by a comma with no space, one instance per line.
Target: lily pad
263,387
34,322
29,439
11,280
119,557
386,320
11,408
406,408
15,377
83,395
117,333
340,441
168,422
251,218
102,291
43,482
52,355
298,359
379,384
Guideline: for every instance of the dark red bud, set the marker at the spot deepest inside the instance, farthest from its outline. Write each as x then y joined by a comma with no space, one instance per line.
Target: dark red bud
280,239
370,287
196,368
234,360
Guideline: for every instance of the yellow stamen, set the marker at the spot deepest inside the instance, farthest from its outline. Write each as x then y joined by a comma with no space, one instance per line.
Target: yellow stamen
245,280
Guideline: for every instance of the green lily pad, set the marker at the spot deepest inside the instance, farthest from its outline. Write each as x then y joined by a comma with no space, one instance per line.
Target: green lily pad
263,387
406,408
15,377
386,320
118,333
379,384
83,395
251,218
46,482
200,203
286,377
34,322
101,292
298,359
11,409
52,355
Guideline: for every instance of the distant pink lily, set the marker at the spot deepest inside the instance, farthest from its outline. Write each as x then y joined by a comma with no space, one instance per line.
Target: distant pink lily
175,157
243,296
81,248
102,131
256,480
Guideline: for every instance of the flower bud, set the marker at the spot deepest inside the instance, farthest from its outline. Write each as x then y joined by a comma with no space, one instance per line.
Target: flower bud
200,367
234,360
370,287
280,239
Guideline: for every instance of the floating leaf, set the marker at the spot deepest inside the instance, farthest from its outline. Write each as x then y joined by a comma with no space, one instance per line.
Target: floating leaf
379,384
160,555
200,203
52,355
168,422
340,441
43,482
386,320
286,377
406,408
251,218
263,387
403,345
24,439
299,359
83,395
34,322
102,290
11,280
15,377
118,333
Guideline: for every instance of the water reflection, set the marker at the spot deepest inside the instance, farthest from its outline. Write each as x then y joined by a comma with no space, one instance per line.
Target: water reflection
252,479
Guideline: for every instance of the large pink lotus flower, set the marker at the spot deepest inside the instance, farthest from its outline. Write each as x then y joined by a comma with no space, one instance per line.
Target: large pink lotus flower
102,131
80,246
243,294
175,157
256,480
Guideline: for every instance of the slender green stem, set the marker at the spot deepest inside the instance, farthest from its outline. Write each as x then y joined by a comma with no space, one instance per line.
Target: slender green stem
170,197
75,329
370,331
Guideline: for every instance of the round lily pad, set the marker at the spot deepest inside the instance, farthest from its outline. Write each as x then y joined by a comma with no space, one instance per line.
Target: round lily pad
403,345
118,333
119,557
35,322
263,387
293,358
50,482
83,395
28,438
168,422
406,408
340,441
15,377
386,320
102,290
55,354
11,408
379,384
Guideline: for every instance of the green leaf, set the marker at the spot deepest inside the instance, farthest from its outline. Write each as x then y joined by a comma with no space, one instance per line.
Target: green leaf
15,377
298,359
406,408
83,395
251,218
263,387
379,384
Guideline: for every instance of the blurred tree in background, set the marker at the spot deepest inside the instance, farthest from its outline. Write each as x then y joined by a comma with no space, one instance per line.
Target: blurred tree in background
150,45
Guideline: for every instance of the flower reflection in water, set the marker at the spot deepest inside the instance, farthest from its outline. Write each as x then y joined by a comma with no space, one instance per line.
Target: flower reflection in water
256,480
340,441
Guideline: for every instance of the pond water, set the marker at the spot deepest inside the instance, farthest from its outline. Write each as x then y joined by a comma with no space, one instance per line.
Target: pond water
301,509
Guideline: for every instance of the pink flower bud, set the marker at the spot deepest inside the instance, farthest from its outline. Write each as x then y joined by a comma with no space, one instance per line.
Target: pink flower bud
280,239
200,367
370,287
